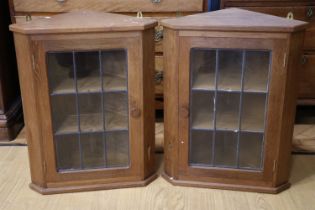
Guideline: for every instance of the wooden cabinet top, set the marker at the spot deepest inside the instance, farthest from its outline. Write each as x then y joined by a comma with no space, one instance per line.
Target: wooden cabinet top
235,20
83,21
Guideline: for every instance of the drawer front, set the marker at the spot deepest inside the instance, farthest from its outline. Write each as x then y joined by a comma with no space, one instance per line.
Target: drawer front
307,77
309,39
108,5
305,13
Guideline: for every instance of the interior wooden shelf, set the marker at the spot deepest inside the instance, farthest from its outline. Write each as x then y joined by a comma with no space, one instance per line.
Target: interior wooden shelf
204,82
115,121
114,83
252,83
92,123
91,84
255,83
227,121
88,123
252,124
66,86
203,120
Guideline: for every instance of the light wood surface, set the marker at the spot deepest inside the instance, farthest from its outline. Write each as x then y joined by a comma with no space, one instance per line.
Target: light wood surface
234,20
304,138
83,21
15,193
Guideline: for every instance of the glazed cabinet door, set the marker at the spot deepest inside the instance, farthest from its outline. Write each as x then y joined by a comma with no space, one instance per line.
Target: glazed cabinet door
86,89
230,94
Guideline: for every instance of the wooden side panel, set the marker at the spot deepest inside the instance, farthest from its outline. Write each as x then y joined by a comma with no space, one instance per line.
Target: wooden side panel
290,95
30,101
307,77
171,101
148,102
108,5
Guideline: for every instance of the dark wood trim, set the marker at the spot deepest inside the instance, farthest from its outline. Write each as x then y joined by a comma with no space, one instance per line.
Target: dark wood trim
91,187
249,188
12,10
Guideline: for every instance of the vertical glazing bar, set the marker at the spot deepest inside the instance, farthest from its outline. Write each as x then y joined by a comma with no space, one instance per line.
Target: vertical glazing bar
127,92
190,103
103,103
56,152
265,115
77,106
240,108
214,104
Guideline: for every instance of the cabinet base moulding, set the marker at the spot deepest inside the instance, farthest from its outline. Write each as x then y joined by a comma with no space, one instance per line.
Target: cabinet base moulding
260,189
94,187
11,122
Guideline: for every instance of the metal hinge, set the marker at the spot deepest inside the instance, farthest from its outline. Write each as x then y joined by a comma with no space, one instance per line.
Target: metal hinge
149,153
44,167
33,62
275,165
285,60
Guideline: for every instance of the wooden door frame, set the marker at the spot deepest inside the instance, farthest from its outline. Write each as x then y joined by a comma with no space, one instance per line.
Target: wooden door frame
131,41
277,44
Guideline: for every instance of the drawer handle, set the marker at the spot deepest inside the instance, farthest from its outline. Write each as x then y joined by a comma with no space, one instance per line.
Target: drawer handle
309,13
60,1
290,16
139,14
28,18
304,60
158,77
158,36
155,1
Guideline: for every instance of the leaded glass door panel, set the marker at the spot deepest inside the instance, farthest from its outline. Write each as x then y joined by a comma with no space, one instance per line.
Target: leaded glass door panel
89,100
225,85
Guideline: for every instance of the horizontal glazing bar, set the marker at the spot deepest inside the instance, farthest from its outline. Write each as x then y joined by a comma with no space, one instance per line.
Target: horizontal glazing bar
229,91
91,92
202,129
87,132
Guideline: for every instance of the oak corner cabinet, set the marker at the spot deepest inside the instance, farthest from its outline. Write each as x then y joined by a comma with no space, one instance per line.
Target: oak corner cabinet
230,94
87,81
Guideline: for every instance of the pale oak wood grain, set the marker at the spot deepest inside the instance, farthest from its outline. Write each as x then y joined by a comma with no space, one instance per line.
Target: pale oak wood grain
15,193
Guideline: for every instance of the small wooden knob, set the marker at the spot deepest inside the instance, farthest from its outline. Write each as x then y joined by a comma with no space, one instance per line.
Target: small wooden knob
184,111
135,112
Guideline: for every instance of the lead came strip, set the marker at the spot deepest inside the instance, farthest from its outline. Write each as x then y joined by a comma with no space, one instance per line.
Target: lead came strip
103,112
215,104
240,108
77,107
